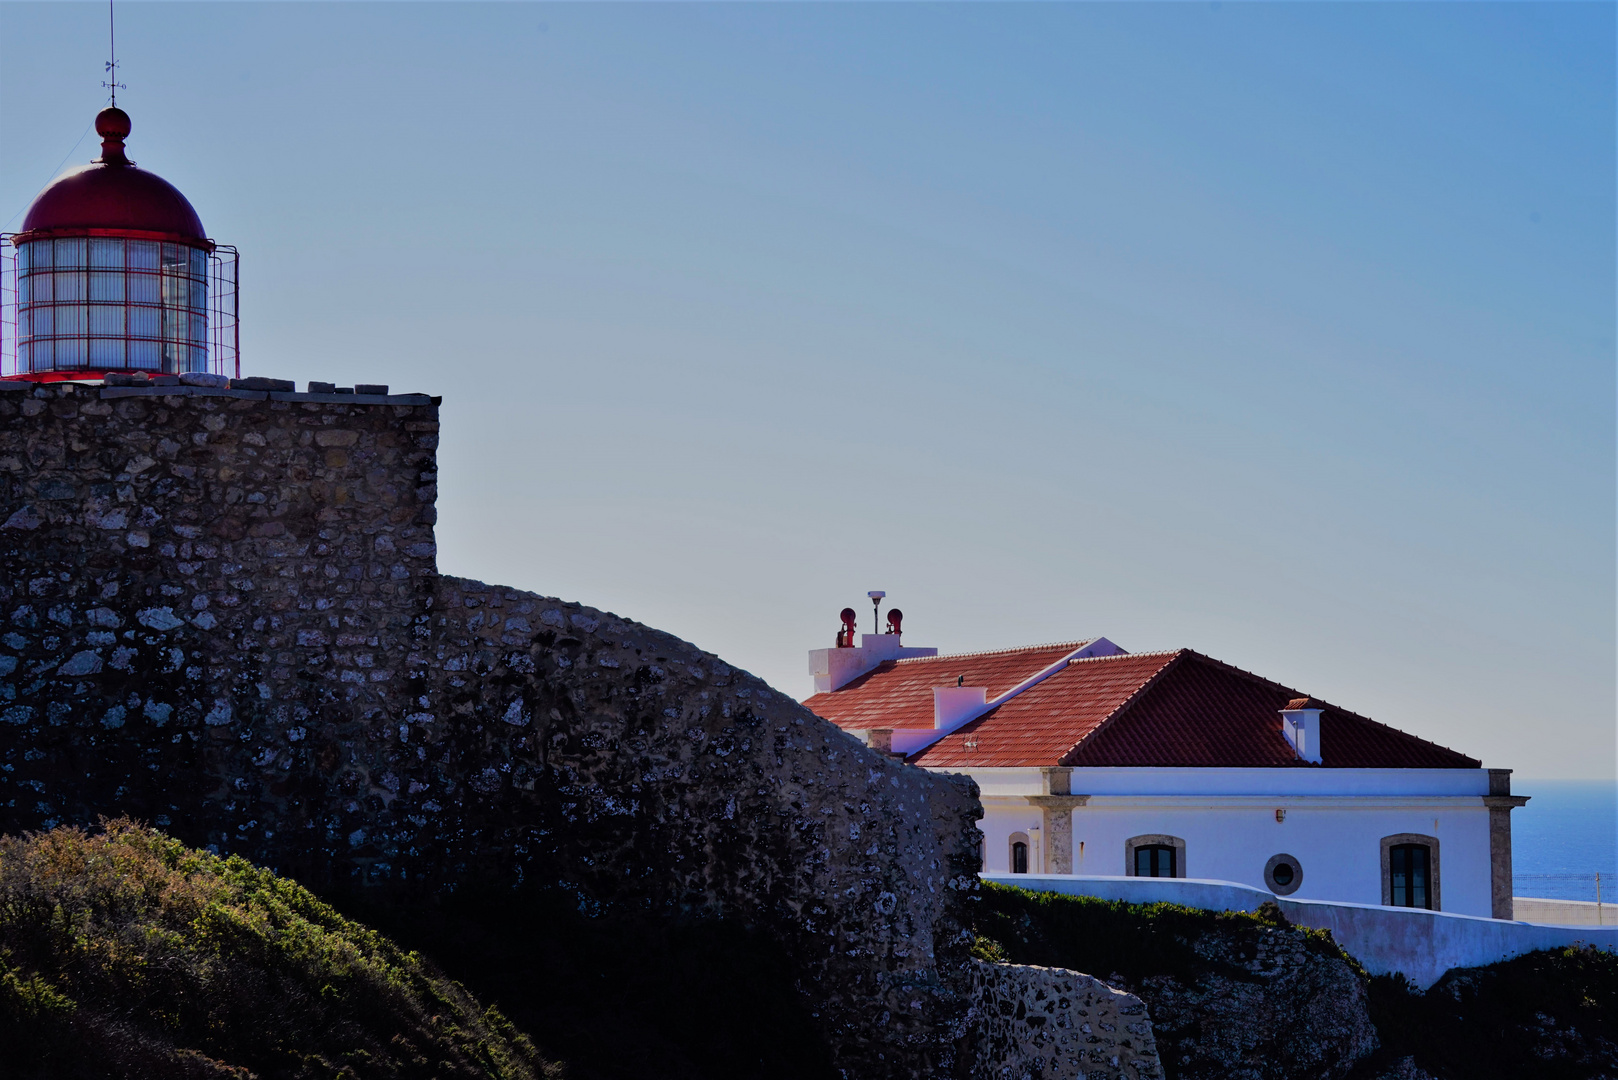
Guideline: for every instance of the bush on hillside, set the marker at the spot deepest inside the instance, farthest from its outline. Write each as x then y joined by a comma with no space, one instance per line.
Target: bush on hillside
1113,938
1550,1015
124,953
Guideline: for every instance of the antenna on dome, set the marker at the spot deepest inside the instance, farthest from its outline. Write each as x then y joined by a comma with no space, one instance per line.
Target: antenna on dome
112,58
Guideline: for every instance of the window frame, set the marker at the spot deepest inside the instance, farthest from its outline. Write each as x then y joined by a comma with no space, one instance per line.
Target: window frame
1154,840
1434,878
1011,853
1275,886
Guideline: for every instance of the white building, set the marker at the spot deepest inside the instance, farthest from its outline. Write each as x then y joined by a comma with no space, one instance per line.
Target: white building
1096,761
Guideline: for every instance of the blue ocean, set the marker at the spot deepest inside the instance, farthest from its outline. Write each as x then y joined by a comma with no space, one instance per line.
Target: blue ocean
1563,838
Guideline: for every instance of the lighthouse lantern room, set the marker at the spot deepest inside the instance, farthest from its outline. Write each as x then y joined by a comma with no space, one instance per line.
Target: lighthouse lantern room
112,272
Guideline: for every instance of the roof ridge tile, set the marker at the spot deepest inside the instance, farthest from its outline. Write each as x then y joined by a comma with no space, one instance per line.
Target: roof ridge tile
1007,652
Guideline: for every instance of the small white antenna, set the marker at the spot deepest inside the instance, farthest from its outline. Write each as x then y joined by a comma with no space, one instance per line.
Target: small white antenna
112,58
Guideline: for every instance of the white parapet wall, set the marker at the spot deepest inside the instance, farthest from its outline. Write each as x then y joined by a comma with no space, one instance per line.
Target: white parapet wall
1564,912
1421,945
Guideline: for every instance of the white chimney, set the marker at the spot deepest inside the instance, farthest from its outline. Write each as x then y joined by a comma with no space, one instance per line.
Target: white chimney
1300,723
955,705
834,669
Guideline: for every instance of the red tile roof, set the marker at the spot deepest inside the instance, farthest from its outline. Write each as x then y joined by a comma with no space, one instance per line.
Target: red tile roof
1142,709
899,693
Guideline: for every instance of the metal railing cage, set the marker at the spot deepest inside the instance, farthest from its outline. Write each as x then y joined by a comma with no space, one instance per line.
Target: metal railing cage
117,303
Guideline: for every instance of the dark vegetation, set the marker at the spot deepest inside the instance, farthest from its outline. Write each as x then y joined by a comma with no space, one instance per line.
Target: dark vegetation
1546,1016
618,998
126,954
1109,938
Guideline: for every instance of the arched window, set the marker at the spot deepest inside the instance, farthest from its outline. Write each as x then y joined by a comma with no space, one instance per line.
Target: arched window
1154,855
1410,871
1019,853
1154,860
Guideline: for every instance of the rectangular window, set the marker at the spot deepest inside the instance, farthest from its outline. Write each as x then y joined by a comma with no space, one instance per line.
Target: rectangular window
1409,875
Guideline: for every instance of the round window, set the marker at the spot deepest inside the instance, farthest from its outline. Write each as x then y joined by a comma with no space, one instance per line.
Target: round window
1283,874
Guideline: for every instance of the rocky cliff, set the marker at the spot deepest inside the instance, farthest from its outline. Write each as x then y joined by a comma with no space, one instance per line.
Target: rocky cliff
1230,995
222,614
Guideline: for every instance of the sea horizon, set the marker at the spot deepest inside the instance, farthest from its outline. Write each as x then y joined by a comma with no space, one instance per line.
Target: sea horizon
1564,837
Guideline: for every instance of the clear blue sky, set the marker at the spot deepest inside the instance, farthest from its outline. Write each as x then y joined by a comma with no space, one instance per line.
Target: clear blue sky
1283,332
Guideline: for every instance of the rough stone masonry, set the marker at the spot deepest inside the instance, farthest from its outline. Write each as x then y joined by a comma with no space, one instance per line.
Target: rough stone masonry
220,611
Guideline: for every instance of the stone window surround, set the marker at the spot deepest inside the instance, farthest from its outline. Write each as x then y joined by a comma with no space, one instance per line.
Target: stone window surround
1269,874
1148,840
1012,841
1431,844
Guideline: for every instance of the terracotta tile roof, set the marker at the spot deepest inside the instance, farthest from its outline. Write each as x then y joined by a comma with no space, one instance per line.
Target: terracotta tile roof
1142,709
1041,724
1205,713
899,693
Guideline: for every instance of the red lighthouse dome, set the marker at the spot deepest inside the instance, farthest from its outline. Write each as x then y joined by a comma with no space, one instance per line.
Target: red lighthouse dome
111,193
113,273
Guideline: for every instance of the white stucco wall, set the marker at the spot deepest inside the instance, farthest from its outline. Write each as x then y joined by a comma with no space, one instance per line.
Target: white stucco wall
1230,836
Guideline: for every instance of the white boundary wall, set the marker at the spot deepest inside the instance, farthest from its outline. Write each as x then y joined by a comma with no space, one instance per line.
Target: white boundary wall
1330,821
1420,944
1564,912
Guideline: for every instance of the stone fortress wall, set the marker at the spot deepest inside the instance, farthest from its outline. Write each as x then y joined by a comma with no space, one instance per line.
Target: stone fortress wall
220,612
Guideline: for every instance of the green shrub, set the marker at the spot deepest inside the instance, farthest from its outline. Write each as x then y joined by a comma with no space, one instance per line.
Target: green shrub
124,953
1110,937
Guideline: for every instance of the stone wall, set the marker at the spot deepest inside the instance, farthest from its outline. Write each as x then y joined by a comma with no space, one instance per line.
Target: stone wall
1040,1023
221,613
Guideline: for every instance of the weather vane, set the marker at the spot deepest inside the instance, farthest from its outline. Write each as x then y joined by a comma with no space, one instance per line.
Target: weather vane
112,58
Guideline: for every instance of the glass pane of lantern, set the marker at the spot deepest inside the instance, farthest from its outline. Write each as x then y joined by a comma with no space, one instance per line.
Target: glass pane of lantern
69,284
36,287
145,322
69,320
70,252
106,252
143,288
106,285
35,255
107,352
143,254
69,352
147,355
107,320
